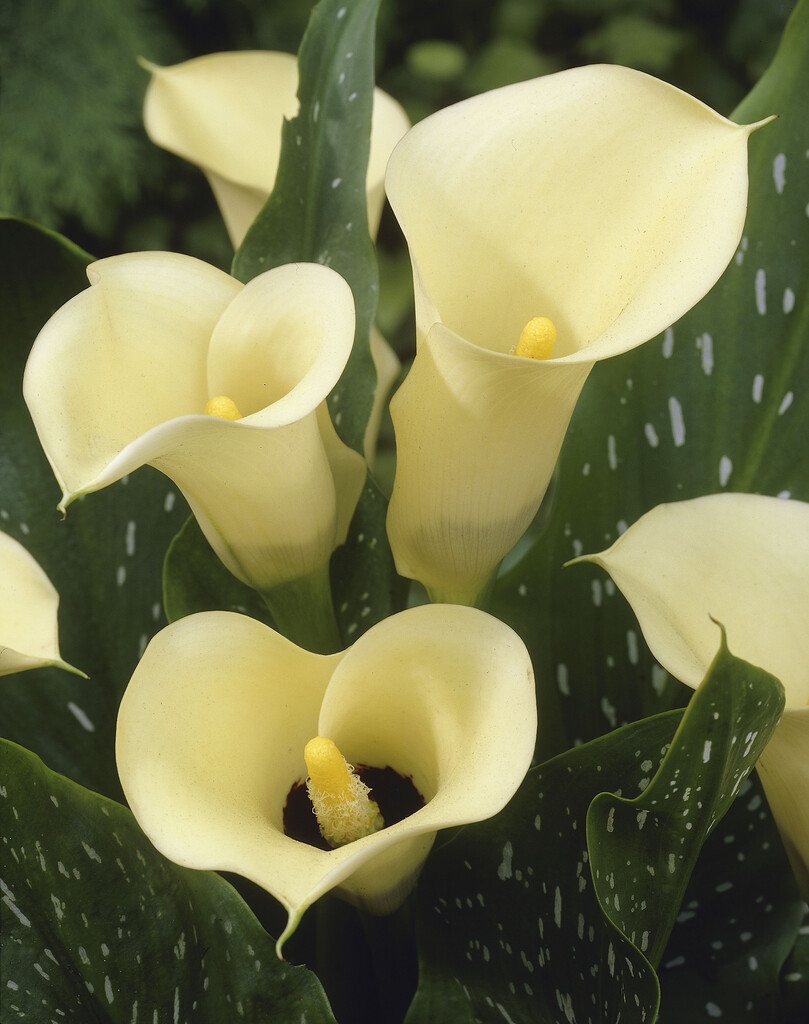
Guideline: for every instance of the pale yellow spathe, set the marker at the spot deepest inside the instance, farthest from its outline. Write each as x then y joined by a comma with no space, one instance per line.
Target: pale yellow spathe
29,635
213,726
224,112
120,376
600,198
742,560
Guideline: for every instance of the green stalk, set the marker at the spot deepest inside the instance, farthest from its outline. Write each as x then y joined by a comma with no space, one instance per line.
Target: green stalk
303,611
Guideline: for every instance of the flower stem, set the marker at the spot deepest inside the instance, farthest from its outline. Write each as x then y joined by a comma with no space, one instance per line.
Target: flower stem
303,611
476,595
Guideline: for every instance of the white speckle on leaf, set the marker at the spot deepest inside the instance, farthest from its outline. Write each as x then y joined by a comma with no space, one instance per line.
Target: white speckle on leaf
705,346
80,716
758,388
651,435
504,869
677,422
786,402
761,291
725,469
608,710
91,853
668,343
612,457
779,167
11,903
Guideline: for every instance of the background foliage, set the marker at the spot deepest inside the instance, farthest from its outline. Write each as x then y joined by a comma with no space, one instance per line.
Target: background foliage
71,89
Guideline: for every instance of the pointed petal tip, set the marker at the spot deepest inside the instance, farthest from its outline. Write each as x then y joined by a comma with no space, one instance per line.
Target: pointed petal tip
595,559
70,668
68,497
293,920
754,127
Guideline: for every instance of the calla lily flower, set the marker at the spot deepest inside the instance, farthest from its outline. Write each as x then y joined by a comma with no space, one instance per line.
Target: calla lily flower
28,603
599,198
213,725
741,560
121,375
224,112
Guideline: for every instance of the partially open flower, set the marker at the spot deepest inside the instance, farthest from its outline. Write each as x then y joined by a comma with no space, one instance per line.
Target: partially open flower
122,375
29,635
224,112
591,208
215,721
742,560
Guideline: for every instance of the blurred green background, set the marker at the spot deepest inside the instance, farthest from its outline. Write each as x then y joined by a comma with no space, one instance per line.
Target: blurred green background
74,156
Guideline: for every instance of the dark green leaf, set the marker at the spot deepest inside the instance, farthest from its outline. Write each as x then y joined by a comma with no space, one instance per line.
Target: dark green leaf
730,947
98,926
643,849
194,580
317,210
795,977
105,559
509,925
364,581
554,909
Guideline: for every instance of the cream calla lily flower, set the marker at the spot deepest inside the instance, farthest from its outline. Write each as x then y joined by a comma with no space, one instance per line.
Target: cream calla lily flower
213,725
224,112
29,636
600,198
121,375
741,560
